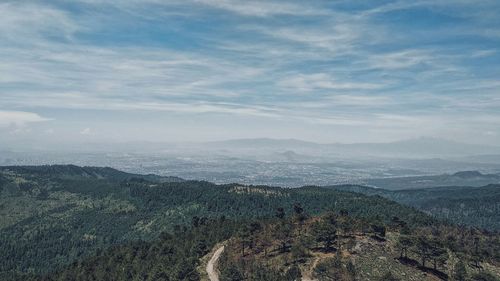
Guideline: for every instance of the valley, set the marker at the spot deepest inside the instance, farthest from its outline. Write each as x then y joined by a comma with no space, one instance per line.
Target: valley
54,216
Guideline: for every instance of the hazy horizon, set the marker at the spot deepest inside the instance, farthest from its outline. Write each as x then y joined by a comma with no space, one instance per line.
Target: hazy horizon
53,144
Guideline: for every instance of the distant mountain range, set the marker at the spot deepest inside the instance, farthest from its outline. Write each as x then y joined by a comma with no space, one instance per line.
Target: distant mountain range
412,148
420,148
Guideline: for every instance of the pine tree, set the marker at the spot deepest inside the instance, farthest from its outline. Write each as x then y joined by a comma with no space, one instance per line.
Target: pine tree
293,274
460,272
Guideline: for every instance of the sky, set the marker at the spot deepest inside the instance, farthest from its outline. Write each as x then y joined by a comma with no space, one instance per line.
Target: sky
199,70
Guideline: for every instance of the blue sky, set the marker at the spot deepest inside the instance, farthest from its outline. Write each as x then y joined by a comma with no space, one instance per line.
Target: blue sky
196,70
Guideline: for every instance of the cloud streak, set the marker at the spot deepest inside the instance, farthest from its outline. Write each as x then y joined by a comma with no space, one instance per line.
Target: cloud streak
262,8
329,63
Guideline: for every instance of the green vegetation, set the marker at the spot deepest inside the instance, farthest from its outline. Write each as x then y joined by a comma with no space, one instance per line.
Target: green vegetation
337,246
173,256
54,215
463,178
73,223
472,206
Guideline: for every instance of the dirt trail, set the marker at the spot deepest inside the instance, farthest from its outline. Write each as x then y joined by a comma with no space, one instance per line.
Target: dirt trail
213,275
308,275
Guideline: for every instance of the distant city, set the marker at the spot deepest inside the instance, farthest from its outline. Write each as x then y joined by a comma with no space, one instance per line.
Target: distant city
286,163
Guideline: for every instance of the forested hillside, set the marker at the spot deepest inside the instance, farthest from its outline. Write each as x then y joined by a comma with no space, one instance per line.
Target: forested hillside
174,255
472,206
292,245
336,246
54,215
462,178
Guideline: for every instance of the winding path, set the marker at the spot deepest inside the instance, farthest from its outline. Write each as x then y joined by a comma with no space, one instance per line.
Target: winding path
213,275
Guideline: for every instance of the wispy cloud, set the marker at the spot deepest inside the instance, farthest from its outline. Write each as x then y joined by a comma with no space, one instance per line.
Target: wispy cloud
25,22
322,81
371,65
262,8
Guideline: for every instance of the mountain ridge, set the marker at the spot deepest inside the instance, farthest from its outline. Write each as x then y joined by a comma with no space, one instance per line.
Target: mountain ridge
64,213
416,147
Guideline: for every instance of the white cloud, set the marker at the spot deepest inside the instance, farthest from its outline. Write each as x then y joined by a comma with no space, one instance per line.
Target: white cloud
322,81
360,100
19,118
335,37
86,132
24,22
263,55
483,53
256,8
262,8
398,60
80,75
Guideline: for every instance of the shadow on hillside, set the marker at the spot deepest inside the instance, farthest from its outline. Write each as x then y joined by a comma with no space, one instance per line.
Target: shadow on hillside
439,274
278,251
413,263
408,262
324,250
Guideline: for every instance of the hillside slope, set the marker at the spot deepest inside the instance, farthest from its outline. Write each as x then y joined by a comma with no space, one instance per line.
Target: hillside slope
462,178
54,215
472,206
338,247
333,246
